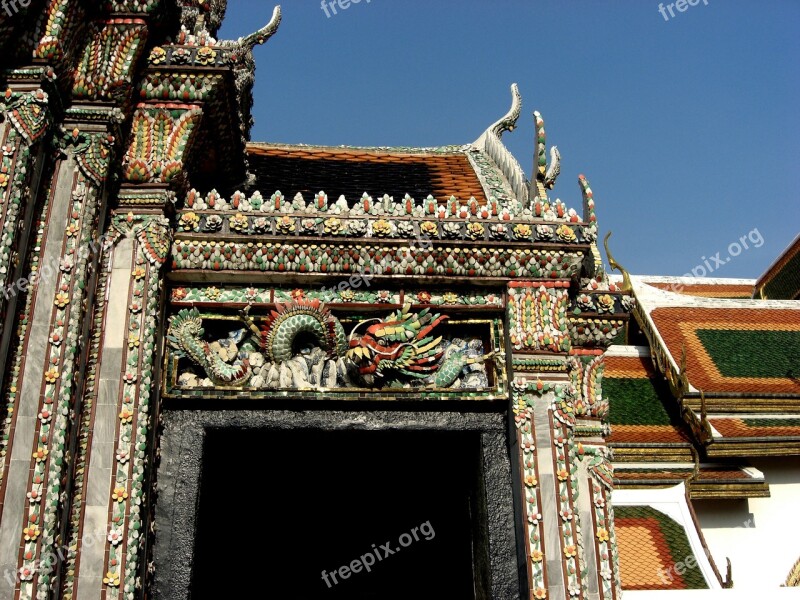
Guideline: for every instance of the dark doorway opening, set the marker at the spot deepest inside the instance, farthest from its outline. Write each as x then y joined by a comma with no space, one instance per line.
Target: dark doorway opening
333,499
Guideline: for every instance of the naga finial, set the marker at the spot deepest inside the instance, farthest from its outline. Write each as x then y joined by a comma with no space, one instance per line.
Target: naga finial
508,122
262,35
627,286
544,175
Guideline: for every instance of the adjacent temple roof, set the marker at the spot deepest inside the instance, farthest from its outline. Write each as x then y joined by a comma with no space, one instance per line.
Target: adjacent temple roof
727,366
660,545
653,446
782,279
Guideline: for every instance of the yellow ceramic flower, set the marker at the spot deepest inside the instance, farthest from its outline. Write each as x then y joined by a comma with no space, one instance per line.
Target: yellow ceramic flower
206,55
285,225
450,298
157,56
31,533
332,225
382,228
429,228
111,579
475,231
61,300
189,221
238,222
566,233
521,230
119,494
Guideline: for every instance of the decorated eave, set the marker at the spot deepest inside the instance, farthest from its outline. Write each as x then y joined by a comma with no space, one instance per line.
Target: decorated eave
726,364
469,204
653,447
205,86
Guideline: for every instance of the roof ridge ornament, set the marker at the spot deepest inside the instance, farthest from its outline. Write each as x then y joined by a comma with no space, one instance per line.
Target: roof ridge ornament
627,286
544,175
508,122
248,42
491,144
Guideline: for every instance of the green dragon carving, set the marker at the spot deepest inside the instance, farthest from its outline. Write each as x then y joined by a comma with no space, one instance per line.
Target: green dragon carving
185,336
394,351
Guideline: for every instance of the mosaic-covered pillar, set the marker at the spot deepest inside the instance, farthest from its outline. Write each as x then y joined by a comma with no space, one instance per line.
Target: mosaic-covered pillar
594,475
539,337
45,370
560,416
26,121
558,340
110,503
120,411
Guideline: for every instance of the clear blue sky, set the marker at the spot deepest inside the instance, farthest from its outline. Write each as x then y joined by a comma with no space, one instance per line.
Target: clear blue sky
687,129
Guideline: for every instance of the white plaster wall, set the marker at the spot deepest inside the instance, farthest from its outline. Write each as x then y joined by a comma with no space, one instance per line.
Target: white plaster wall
761,536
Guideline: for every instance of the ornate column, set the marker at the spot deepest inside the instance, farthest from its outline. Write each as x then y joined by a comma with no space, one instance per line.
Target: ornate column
558,339
537,321
47,364
26,122
109,520
109,510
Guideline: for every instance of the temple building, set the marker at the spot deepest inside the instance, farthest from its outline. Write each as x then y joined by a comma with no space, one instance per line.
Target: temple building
238,369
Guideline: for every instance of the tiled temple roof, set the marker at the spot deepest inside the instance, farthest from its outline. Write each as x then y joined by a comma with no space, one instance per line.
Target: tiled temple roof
660,544
652,446
649,544
707,290
782,278
638,412
351,172
732,364
736,351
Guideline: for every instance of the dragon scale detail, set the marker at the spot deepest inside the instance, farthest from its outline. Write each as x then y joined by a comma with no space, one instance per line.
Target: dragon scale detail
302,344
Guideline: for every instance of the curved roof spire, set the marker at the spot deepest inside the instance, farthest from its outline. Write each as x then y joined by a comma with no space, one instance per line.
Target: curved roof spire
508,122
492,145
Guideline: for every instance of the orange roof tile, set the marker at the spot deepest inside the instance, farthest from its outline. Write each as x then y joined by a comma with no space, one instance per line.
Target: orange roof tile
650,543
706,290
747,357
628,366
352,171
756,427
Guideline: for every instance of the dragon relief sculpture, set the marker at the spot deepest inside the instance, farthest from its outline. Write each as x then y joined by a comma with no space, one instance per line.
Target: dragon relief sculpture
301,345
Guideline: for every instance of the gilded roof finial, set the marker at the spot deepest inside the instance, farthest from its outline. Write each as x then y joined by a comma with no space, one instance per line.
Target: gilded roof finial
627,286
